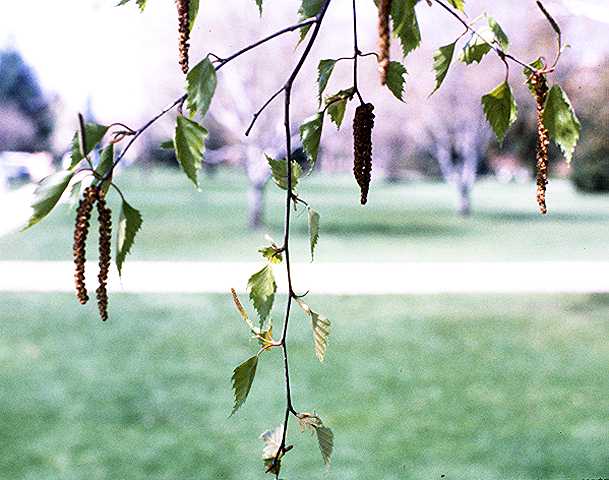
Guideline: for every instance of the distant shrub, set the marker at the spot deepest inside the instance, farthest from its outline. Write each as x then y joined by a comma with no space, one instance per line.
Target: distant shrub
590,173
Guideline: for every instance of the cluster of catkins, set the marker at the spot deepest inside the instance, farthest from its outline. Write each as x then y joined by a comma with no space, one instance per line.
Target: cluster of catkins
362,147
184,32
540,90
384,39
91,196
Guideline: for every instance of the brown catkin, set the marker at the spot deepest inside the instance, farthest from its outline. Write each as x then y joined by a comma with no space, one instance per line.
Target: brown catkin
362,147
384,39
105,234
184,32
540,89
81,230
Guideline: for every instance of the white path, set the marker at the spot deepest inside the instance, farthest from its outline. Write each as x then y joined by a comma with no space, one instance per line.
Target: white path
323,278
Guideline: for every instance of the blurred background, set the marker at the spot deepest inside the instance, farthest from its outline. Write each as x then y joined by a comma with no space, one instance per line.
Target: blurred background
474,385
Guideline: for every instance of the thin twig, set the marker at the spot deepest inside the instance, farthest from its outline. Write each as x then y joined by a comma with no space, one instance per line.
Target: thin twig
356,54
287,89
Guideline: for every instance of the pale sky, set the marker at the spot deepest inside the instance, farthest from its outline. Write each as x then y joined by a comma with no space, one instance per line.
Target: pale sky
90,48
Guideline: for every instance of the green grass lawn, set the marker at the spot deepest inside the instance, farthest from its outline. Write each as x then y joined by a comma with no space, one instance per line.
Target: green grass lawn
469,387
412,221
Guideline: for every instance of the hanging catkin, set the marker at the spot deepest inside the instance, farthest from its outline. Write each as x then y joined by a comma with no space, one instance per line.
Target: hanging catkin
362,147
184,32
384,39
540,89
105,234
81,230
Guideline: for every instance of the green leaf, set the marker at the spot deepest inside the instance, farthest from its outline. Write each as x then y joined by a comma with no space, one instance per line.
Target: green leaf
321,330
193,11
262,287
337,110
500,36
201,84
309,8
310,136
259,5
303,33
336,105
405,25
458,4
189,144
129,224
313,230
106,162
279,172
167,145
500,109
396,79
243,377
442,58
325,439
47,194
477,46
93,135
324,70
561,121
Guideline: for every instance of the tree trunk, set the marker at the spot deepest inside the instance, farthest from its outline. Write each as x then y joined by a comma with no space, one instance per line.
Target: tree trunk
255,205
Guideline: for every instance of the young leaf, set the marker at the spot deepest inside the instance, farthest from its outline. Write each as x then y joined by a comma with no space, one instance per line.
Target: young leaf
500,109
140,3
243,377
324,70
47,194
242,310
321,330
201,84
193,11
279,172
93,135
442,58
500,36
325,439
129,224
313,230
477,46
189,145
270,453
405,25
396,79
262,287
272,254
458,4
310,135
561,121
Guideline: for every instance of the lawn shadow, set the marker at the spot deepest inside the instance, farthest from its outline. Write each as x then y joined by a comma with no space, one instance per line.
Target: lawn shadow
520,216
388,229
